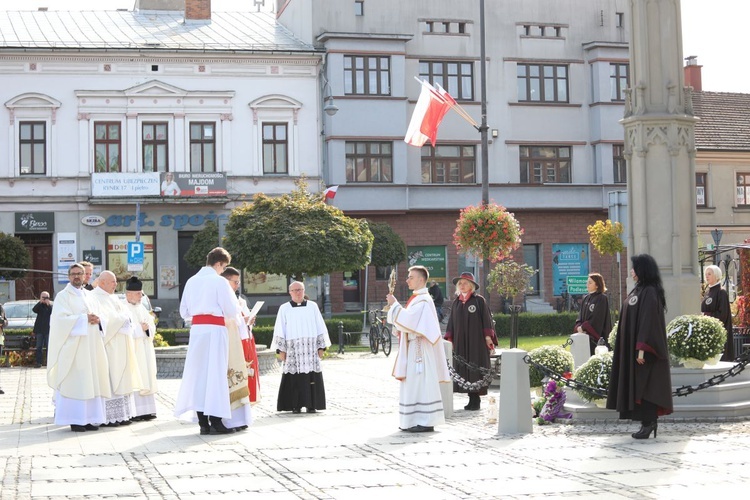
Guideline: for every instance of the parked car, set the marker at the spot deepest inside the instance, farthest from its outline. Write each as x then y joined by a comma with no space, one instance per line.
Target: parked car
20,314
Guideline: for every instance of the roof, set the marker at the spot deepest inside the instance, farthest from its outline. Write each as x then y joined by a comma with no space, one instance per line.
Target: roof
153,30
724,121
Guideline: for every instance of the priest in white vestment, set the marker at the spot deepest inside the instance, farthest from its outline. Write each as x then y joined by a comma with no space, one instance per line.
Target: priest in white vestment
118,341
420,363
237,374
207,301
144,329
77,367
300,337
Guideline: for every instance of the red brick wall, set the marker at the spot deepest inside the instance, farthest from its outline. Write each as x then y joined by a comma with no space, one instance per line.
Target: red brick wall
436,228
197,9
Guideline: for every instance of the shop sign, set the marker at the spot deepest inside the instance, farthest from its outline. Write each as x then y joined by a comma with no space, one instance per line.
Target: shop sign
177,222
106,184
93,220
33,222
568,259
193,184
434,259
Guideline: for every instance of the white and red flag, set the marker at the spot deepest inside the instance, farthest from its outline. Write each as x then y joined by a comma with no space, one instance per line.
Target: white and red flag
431,107
330,192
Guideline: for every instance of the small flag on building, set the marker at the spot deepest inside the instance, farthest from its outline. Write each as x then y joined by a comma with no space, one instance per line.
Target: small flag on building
330,192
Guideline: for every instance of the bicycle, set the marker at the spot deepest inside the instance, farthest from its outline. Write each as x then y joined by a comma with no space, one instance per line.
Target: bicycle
380,332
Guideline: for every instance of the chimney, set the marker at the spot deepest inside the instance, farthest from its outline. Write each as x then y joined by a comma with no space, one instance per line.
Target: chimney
693,73
197,10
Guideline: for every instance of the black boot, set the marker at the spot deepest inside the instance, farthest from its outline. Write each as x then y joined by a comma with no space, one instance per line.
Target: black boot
645,431
474,402
203,422
217,426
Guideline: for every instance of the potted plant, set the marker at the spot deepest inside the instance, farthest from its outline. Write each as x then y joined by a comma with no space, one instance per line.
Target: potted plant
696,340
594,373
510,279
553,357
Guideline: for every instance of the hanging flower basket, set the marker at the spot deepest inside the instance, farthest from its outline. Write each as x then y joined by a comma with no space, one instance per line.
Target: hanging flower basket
553,357
594,373
697,337
489,231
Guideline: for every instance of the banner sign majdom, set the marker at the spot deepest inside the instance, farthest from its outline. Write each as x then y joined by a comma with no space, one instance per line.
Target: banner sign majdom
167,184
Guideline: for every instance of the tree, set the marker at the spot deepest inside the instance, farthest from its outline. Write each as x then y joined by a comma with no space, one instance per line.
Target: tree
204,241
13,254
296,234
388,248
605,237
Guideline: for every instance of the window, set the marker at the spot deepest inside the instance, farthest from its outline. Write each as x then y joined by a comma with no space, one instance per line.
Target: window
367,75
33,148
700,189
531,258
107,147
545,164
359,8
440,27
155,147
618,81
447,164
202,147
383,273
620,19
542,83
743,189
275,148
117,260
369,162
455,77
618,164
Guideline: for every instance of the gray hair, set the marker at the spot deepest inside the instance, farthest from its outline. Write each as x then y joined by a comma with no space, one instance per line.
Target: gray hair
714,269
473,288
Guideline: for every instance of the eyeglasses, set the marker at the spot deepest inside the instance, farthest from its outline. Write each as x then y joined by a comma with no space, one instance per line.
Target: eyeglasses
75,274
297,290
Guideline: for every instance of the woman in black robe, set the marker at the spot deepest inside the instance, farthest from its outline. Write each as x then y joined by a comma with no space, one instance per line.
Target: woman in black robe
716,304
594,318
473,337
640,386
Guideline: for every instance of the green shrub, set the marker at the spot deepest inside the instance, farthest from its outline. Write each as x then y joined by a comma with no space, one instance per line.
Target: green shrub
537,325
594,373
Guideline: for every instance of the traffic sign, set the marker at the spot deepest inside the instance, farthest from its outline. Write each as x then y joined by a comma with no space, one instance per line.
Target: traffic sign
135,256
577,285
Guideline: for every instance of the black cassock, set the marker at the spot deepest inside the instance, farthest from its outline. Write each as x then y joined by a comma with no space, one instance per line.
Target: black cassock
594,318
642,327
469,323
716,304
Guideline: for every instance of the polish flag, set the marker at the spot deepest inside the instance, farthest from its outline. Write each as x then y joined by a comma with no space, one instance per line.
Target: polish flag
330,192
431,107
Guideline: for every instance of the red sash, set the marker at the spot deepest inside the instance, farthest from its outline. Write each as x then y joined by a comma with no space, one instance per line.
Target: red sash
207,319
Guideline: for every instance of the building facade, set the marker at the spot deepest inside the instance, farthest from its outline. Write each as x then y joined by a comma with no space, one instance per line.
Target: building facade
557,75
144,125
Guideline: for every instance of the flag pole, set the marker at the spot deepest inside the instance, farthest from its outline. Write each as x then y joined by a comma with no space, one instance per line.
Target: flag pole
485,145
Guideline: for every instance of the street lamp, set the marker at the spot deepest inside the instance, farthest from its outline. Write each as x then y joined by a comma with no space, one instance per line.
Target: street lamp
716,234
330,109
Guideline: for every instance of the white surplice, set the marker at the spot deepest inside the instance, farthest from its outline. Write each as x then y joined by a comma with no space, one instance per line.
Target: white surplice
420,362
145,355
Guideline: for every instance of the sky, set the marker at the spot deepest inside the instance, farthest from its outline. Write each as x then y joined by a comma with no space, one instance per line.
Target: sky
713,30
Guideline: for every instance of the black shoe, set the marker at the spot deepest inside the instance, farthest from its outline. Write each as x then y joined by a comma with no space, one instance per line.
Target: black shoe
2,391
77,428
38,365
645,431
148,417
420,428
92,427
474,402
312,410
125,422
205,430
296,410
111,424
218,427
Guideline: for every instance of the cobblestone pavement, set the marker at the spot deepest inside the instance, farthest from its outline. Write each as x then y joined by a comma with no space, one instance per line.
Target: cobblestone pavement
354,450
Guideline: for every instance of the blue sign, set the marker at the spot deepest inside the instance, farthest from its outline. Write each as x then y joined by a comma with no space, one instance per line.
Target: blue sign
568,259
135,255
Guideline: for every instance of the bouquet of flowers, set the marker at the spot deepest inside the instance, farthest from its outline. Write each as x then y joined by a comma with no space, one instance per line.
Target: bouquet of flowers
696,336
553,357
487,230
594,373
553,403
